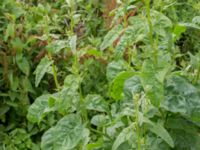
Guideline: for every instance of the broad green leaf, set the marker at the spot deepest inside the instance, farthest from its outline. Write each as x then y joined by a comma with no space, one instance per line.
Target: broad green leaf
23,64
111,36
185,140
18,139
97,144
72,81
66,97
178,30
184,133
10,31
154,142
133,34
159,130
161,24
96,102
66,135
18,45
182,97
70,3
86,139
112,129
99,120
162,27
14,81
190,25
194,60
72,43
164,66
114,68
42,69
4,109
159,20
57,46
94,52
196,20
132,86
118,84
178,123
125,135
153,88
27,85
39,109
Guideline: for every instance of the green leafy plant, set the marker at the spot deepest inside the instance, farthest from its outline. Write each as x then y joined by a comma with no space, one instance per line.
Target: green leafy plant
67,81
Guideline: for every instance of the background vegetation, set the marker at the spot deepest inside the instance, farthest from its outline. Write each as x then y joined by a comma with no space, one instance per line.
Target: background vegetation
99,75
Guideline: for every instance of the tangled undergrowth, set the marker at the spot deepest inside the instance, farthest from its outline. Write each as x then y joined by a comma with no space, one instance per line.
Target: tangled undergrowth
99,75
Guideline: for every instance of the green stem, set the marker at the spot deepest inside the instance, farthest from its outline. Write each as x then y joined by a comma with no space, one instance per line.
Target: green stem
198,75
101,133
147,3
54,73
76,67
148,11
72,10
136,100
55,76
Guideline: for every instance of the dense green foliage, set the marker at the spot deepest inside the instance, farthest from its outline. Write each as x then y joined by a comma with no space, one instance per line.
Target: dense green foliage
70,82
